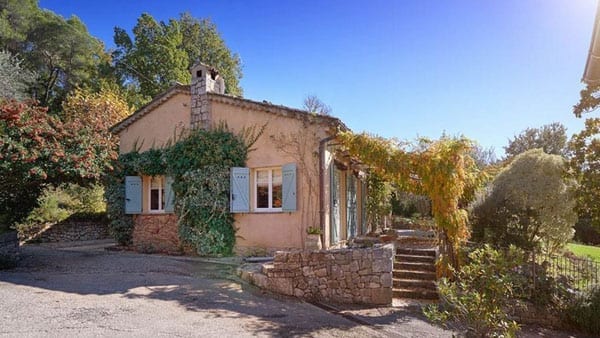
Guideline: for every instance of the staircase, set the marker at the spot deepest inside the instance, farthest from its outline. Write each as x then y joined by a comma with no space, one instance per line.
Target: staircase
414,274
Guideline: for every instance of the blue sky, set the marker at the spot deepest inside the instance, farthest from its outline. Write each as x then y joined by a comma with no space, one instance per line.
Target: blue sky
484,69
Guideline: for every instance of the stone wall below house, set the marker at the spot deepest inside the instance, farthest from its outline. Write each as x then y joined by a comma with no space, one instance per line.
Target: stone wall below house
359,275
9,249
9,244
70,231
156,233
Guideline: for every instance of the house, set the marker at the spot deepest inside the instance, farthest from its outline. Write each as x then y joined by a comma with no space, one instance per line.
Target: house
591,74
294,178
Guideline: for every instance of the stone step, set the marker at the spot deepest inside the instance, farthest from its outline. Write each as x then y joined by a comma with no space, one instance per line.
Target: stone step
414,266
413,258
415,252
407,274
415,293
414,284
266,267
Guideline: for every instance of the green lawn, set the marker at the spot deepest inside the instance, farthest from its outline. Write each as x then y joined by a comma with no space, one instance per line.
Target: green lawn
592,252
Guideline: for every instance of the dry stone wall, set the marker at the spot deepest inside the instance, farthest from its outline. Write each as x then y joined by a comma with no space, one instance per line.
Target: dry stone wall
156,233
9,244
360,275
69,231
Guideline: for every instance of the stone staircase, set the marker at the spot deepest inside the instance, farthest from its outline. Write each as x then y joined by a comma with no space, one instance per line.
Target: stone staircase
414,273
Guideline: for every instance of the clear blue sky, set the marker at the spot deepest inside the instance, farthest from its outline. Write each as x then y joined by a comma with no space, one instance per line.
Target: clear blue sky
484,69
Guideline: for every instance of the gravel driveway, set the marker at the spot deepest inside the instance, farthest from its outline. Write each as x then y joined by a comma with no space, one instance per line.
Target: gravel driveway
58,293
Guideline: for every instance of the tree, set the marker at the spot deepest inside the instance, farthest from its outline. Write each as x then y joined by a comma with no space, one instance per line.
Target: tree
202,42
14,80
585,164
585,157
483,157
161,53
552,138
313,104
529,204
61,52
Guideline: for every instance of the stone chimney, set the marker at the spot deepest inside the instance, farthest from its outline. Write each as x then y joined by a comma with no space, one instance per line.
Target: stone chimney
205,79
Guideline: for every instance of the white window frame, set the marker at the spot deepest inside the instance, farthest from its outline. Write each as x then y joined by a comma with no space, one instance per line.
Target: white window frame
161,192
255,195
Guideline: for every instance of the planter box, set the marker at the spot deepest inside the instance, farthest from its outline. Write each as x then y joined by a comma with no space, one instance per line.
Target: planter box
313,242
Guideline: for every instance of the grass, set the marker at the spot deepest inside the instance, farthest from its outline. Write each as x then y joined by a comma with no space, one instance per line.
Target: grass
588,251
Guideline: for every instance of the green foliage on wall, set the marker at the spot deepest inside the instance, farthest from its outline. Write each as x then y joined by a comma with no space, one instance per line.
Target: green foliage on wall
199,165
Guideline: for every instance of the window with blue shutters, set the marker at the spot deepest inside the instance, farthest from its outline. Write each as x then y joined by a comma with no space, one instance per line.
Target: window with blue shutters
239,198
133,195
273,189
289,187
169,195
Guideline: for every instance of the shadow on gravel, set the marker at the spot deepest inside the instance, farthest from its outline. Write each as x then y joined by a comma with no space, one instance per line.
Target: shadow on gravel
211,290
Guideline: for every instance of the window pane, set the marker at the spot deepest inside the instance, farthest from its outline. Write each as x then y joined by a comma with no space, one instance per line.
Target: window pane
262,189
162,199
277,179
154,199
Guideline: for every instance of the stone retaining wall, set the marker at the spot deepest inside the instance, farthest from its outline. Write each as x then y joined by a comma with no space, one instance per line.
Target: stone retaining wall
156,233
9,249
70,231
344,275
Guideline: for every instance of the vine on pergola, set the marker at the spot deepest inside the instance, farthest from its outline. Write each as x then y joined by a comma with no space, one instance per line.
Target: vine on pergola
441,169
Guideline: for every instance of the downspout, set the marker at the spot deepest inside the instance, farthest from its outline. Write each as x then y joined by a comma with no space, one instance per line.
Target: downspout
322,145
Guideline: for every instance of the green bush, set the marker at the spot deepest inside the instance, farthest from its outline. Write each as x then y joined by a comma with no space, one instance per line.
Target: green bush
482,293
584,311
58,203
529,204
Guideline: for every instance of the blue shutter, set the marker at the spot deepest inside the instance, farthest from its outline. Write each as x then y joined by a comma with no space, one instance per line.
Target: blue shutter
133,195
240,190
169,195
288,172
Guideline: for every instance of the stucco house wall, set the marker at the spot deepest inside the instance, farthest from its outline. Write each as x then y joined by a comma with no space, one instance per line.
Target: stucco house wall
276,230
159,125
203,104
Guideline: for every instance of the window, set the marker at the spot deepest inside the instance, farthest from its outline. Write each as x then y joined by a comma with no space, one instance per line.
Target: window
157,194
268,189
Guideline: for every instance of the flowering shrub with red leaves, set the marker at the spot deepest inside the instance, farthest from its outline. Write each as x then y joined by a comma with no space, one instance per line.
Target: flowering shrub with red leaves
37,149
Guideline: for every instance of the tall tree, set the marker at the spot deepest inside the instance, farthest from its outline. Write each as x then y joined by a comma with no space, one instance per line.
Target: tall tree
314,105
161,53
552,138
61,51
203,42
585,159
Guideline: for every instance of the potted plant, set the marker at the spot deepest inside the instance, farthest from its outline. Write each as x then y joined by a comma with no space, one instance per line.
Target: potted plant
313,239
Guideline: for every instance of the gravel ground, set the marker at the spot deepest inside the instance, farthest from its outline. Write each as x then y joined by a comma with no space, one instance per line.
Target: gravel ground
87,291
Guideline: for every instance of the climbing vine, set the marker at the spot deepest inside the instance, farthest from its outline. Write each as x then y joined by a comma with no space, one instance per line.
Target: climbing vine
442,170
199,164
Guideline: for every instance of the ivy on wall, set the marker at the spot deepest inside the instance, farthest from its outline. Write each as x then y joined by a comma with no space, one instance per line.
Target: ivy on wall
199,164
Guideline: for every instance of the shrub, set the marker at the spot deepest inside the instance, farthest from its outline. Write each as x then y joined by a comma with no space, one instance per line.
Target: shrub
482,292
529,204
583,312
58,203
